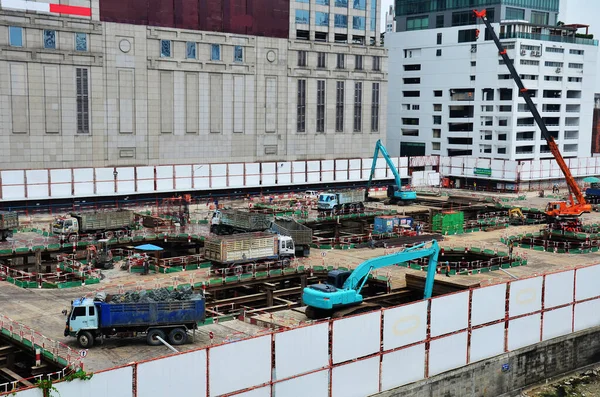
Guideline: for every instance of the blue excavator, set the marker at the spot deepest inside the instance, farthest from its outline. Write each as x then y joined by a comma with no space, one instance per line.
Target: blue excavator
395,193
341,295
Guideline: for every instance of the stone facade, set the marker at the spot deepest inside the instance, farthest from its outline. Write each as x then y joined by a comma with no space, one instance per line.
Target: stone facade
150,107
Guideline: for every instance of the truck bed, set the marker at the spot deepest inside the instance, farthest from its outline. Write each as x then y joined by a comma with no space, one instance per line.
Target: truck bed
302,235
9,220
351,196
246,220
156,313
245,247
109,220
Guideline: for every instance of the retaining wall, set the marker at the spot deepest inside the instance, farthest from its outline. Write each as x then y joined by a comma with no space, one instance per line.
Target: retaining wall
507,374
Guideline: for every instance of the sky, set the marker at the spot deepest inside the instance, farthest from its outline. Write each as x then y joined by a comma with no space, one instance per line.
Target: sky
571,11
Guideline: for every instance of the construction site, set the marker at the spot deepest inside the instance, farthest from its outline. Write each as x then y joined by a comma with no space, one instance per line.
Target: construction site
340,277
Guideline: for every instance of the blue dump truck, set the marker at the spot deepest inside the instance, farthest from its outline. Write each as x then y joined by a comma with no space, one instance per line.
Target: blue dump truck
93,319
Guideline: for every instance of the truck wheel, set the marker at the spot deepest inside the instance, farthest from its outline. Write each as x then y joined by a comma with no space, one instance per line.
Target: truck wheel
85,339
152,339
177,336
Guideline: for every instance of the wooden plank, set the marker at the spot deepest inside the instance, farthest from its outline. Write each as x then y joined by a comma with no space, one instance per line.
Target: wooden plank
16,377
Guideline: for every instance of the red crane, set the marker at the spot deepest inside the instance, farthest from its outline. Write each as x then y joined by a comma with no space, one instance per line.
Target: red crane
558,210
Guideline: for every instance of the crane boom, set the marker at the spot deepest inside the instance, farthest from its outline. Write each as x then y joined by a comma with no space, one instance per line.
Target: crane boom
554,149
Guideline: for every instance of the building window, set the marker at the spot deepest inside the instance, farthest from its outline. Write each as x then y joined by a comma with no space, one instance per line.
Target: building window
438,52
574,52
375,108
190,50
357,106
320,105
358,62
377,63
321,18
437,133
467,35
417,23
302,17
322,2
358,23
301,108
215,52
341,3
437,107
439,21
515,13
339,106
50,39
238,53
340,61
81,42
340,21
321,59
555,49
437,120
165,48
302,59
435,146
437,93
472,78
83,114
359,4
463,18
576,65
539,18
439,38
15,36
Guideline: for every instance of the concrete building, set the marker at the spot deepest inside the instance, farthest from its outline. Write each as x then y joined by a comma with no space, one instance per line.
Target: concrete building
451,94
96,83
390,20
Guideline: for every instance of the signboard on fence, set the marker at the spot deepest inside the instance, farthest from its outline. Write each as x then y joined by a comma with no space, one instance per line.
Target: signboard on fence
482,171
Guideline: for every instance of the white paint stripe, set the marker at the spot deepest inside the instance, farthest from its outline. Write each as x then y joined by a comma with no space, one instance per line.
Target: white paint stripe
25,5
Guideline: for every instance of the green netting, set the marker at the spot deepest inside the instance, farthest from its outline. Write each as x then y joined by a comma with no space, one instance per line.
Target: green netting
261,274
276,272
451,223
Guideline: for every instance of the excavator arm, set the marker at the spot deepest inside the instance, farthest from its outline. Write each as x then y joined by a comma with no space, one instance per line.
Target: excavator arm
574,188
379,147
361,272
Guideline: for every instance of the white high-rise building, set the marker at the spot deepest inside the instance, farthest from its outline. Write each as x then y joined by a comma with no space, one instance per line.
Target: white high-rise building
452,95
390,20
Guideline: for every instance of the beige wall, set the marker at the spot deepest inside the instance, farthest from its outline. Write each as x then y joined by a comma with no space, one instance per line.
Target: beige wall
147,109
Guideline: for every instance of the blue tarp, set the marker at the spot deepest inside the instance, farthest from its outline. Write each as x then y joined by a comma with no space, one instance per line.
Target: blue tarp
148,247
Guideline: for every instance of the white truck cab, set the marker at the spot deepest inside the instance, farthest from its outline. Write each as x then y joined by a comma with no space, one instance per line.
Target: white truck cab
83,316
327,201
286,246
216,218
65,226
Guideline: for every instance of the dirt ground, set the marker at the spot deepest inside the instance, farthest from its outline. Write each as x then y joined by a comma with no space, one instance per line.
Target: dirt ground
582,384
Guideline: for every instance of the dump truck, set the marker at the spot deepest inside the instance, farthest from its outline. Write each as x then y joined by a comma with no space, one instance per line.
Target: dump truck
244,249
99,224
341,201
302,235
9,221
232,221
92,319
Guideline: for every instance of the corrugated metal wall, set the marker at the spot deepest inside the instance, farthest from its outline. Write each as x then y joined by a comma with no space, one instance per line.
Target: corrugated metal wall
268,18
